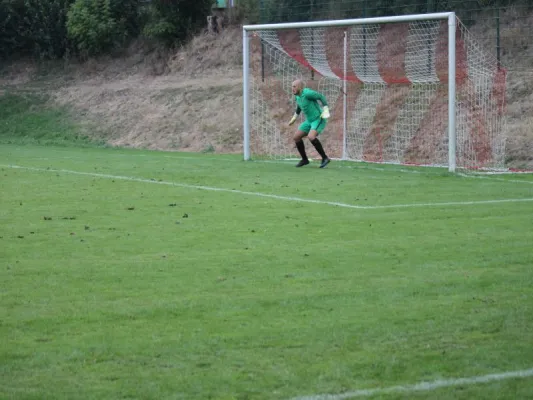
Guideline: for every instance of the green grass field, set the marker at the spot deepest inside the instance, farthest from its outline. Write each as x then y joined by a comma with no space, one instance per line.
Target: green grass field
152,275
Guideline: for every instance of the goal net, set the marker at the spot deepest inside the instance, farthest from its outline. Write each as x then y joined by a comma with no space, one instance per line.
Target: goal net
390,88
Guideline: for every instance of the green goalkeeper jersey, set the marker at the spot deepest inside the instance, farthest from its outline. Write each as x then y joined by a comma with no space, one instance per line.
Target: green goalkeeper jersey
307,102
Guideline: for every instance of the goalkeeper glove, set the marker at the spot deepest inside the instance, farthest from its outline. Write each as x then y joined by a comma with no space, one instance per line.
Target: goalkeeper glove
325,113
293,119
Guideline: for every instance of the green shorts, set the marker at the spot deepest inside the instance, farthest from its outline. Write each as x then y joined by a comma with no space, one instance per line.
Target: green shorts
316,125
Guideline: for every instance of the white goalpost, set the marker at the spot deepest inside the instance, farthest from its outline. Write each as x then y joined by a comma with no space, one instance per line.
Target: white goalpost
413,89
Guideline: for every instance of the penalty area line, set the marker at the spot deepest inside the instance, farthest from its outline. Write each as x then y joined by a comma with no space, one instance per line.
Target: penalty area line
422,386
268,195
494,178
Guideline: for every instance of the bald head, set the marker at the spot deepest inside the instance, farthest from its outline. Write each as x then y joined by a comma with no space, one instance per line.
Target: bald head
297,87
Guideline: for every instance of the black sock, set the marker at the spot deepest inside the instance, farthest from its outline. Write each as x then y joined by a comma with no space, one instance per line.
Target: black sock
319,148
301,149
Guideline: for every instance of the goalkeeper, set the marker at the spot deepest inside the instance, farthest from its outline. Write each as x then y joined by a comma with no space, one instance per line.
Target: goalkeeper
315,122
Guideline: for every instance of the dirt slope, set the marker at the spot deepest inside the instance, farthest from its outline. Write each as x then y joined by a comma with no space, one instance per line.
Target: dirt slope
167,112
190,100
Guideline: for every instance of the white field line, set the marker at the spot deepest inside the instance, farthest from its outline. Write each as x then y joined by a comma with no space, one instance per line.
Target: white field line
493,178
356,166
422,386
267,195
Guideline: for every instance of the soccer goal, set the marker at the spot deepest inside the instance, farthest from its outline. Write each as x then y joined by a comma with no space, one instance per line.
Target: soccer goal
414,89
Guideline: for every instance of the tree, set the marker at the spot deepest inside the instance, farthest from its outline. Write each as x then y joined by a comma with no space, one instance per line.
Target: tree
96,26
175,20
33,27
92,27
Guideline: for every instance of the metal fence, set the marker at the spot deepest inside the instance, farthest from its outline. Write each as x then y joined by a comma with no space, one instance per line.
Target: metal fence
504,27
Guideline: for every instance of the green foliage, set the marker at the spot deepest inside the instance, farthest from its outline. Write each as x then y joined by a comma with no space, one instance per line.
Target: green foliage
128,15
287,10
174,21
92,27
7,28
246,11
159,26
304,10
33,27
39,27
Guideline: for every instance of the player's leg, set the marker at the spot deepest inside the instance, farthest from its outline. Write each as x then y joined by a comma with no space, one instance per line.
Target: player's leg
317,127
303,131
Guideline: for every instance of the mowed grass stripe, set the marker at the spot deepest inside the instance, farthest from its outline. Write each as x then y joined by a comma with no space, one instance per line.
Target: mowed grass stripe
349,186
180,159
135,290
271,196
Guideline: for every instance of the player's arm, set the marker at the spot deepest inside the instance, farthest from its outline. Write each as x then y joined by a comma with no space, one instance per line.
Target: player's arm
313,95
316,96
296,113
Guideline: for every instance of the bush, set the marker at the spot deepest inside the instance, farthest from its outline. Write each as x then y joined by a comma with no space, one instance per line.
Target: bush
8,24
92,28
246,11
33,27
127,13
175,21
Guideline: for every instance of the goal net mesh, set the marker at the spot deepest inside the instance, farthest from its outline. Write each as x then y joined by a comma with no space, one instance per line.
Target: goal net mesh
393,79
